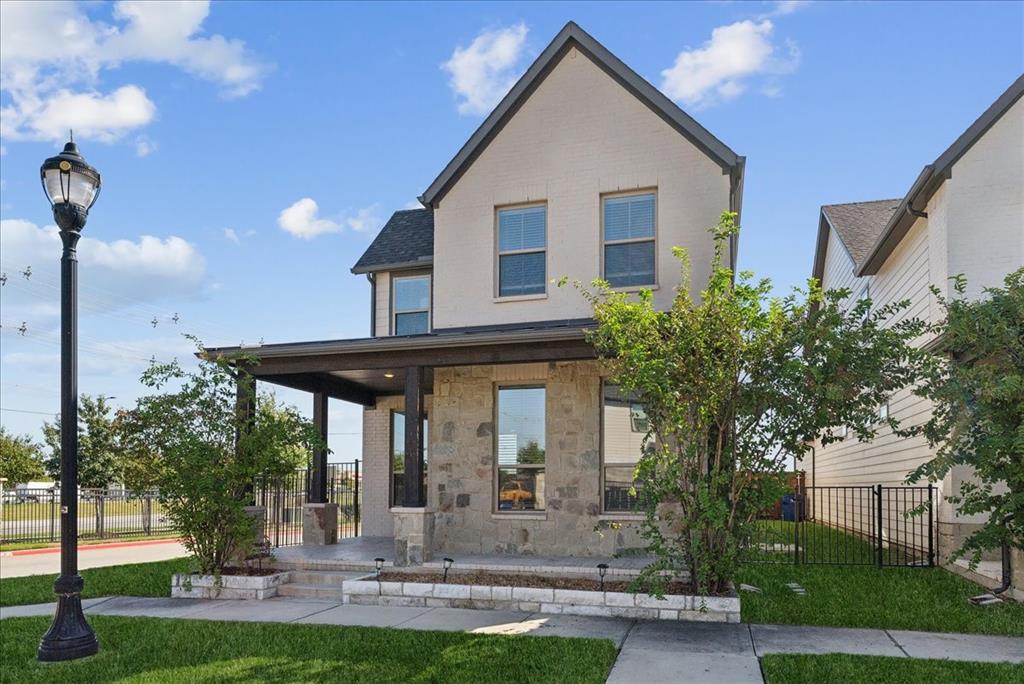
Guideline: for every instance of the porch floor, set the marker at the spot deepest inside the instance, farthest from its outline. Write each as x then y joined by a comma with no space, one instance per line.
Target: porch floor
358,554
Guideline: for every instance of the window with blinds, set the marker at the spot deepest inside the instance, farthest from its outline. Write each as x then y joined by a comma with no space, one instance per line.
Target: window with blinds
522,241
629,223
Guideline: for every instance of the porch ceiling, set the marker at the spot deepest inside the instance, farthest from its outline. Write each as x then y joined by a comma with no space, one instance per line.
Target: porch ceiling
356,370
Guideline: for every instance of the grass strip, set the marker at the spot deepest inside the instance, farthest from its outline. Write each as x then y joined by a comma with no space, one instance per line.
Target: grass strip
856,669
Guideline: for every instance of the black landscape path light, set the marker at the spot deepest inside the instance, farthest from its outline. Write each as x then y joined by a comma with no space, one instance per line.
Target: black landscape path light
602,569
71,185
447,566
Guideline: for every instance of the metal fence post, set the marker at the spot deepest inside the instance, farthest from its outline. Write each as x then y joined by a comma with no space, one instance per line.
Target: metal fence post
355,497
931,528
53,512
797,505
878,529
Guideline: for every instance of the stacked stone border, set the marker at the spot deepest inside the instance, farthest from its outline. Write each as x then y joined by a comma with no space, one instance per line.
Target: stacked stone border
534,600
227,586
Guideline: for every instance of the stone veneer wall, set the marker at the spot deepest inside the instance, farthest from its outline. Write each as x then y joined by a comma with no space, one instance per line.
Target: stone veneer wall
461,473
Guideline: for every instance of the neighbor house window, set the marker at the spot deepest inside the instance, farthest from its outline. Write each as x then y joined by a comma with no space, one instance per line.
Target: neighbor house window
411,305
522,240
883,411
629,240
398,458
520,446
624,426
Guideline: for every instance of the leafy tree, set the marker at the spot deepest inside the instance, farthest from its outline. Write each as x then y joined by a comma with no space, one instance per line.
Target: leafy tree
732,385
977,420
21,460
183,441
100,456
531,453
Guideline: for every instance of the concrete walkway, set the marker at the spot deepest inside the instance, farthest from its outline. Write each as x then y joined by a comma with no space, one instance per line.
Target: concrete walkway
652,652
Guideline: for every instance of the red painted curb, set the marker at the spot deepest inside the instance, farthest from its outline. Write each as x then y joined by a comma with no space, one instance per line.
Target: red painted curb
90,547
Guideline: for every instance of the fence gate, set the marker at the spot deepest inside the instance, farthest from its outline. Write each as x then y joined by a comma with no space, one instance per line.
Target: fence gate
284,497
856,525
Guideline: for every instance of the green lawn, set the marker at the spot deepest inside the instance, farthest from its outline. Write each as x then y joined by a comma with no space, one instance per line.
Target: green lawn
850,669
926,599
142,579
155,650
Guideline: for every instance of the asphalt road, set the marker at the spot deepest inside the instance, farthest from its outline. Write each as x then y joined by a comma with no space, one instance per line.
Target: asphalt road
90,557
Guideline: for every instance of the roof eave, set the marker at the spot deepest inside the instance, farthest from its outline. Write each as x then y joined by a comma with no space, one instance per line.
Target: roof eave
393,266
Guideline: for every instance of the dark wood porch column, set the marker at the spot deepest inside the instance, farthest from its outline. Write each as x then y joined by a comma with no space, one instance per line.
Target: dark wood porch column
245,405
318,482
413,496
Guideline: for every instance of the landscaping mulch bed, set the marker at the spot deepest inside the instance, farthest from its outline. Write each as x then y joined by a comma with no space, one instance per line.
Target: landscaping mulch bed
510,579
250,572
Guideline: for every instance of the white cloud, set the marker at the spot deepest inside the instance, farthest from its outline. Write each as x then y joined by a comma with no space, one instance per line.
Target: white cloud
784,7
144,146
230,234
303,221
367,218
720,69
482,73
52,53
112,274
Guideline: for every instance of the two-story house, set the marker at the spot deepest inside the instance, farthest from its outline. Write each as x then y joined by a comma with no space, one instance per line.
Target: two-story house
963,215
487,426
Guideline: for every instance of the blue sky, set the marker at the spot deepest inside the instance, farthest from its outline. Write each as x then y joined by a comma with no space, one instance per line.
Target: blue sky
260,146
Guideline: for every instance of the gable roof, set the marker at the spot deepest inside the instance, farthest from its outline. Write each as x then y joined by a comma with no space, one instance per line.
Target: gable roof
573,36
932,177
406,240
859,224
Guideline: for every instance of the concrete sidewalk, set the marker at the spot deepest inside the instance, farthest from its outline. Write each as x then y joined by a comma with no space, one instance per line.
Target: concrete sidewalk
652,652
47,561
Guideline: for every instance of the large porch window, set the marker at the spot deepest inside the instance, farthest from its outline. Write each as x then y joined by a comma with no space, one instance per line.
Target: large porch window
623,428
398,458
520,445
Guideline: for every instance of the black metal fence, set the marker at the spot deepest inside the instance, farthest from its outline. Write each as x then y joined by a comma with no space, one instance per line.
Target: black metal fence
33,515
284,497
855,525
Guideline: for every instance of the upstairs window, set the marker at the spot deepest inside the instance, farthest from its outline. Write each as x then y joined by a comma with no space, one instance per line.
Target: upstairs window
522,240
629,223
411,305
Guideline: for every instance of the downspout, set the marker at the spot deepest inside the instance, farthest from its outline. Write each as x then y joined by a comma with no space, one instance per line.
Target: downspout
372,277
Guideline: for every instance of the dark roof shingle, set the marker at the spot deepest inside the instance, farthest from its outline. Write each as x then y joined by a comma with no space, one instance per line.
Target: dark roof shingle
860,223
405,240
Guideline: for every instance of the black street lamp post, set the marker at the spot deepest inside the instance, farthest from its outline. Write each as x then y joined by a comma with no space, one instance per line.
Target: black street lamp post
71,185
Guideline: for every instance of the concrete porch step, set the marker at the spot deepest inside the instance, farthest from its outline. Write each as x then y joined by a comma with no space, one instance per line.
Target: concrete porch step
322,577
320,591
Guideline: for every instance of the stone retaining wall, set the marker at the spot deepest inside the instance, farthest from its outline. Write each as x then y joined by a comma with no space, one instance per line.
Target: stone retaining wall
533,600
227,586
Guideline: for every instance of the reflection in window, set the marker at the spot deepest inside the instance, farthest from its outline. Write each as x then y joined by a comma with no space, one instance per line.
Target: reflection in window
521,432
412,305
624,425
398,458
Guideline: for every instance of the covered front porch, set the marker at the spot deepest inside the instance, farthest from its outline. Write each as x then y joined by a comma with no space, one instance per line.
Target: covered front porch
449,465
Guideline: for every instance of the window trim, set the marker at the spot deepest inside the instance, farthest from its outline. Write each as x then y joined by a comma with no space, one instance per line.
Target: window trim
655,238
497,253
394,312
605,513
495,511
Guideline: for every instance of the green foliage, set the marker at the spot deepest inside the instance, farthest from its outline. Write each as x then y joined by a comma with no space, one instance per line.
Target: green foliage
734,384
860,669
532,453
100,454
133,579
977,422
183,442
21,460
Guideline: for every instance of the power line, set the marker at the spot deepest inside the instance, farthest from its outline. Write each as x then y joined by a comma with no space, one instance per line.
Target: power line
38,413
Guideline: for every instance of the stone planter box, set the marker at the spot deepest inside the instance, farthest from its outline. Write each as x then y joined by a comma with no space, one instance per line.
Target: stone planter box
228,586
532,600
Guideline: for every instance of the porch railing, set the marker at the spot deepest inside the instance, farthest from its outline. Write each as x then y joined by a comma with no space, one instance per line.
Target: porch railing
284,498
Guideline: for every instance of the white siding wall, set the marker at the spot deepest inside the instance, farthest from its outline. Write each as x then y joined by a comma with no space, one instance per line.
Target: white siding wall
383,304
579,135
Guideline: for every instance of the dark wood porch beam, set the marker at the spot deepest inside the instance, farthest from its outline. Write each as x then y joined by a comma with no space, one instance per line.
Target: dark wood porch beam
245,409
318,482
562,350
413,494
333,387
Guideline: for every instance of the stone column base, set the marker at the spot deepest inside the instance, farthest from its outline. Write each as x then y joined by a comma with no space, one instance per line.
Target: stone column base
319,524
414,535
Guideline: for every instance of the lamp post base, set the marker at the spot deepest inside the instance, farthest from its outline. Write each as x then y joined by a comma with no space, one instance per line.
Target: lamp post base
70,637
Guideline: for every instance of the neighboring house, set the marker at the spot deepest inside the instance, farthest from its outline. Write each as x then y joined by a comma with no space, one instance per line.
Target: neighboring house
477,371
963,215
